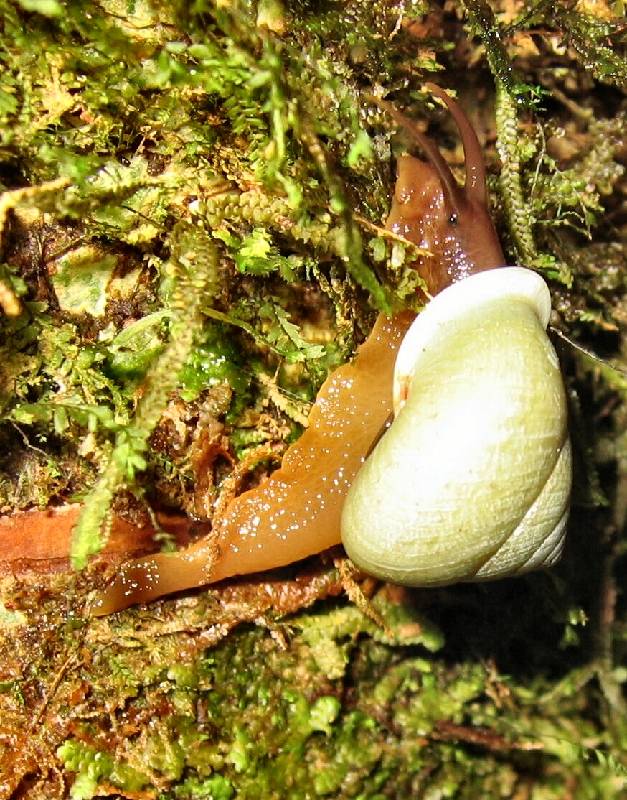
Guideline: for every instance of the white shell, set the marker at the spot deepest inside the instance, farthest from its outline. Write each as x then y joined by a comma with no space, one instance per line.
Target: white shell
472,479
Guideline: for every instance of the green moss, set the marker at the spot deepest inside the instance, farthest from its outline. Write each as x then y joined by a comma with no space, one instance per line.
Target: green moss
194,196
214,788
256,718
265,727
93,767
331,636
213,361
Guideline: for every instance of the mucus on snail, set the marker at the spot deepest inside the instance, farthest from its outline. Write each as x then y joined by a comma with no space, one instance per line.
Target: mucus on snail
471,480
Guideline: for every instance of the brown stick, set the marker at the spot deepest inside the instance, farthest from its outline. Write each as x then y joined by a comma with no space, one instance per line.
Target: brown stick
39,541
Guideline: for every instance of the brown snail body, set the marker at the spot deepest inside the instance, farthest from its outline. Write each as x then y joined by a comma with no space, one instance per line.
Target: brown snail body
296,512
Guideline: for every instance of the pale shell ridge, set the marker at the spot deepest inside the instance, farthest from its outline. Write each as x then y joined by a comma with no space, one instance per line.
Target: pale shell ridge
529,547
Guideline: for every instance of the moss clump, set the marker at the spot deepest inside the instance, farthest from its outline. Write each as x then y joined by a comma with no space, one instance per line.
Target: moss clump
258,715
93,769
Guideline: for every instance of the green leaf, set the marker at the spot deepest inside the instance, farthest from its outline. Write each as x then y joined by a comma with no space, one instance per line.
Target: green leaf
304,349
81,279
92,417
360,148
48,8
8,103
133,350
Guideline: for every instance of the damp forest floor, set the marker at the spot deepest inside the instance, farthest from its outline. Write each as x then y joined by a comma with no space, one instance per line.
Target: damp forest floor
192,206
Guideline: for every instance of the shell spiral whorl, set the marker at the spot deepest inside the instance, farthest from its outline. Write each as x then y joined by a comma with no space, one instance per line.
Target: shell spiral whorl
472,479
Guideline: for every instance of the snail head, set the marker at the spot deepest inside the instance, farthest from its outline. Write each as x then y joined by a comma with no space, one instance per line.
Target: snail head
431,209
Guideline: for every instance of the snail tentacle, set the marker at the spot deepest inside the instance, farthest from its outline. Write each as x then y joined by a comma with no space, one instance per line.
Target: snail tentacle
475,187
452,190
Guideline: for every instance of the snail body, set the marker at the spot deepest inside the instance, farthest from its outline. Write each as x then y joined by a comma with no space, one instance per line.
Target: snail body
472,479
296,512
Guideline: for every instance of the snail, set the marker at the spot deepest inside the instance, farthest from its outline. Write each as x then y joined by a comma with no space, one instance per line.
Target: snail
472,480
355,477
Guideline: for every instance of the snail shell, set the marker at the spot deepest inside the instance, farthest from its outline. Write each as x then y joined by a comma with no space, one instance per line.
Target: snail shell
472,480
